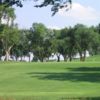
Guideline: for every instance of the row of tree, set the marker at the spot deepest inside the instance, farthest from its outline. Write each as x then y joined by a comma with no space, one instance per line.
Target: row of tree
44,42
66,42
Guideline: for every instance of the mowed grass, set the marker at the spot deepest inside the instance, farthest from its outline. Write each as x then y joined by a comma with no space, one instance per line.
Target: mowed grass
49,81
93,58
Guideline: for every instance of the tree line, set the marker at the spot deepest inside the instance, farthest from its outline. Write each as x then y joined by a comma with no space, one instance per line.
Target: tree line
43,42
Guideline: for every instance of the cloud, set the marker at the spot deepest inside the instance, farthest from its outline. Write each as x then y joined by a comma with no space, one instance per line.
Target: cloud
80,12
54,27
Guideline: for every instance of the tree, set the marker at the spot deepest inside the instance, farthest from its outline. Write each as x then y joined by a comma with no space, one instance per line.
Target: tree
62,43
9,37
85,37
67,48
9,32
48,43
96,40
40,41
1,49
8,3
98,28
56,4
22,48
56,44
71,42
1,13
9,16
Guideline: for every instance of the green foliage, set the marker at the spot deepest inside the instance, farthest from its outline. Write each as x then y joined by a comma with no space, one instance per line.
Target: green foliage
7,14
44,42
40,41
8,3
11,35
22,47
85,38
56,4
8,31
96,40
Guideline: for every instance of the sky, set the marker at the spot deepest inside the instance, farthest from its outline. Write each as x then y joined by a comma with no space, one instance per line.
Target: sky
86,12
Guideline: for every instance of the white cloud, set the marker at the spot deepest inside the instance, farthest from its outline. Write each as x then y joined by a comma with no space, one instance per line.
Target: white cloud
80,12
54,27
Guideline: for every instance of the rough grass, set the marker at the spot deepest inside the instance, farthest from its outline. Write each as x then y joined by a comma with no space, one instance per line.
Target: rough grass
50,81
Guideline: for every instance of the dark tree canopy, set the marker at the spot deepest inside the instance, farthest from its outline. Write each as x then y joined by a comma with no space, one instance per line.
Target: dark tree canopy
56,4
11,2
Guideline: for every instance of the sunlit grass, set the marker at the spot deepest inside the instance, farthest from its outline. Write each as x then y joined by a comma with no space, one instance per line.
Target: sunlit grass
50,81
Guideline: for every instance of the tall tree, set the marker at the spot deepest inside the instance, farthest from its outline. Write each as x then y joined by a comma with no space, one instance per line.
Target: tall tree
9,37
56,44
68,43
96,40
22,48
8,31
40,41
85,37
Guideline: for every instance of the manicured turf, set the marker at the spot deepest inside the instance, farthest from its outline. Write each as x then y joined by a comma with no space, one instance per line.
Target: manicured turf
94,58
50,81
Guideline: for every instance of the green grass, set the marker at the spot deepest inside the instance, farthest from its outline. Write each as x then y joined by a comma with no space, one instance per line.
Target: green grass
94,58
50,81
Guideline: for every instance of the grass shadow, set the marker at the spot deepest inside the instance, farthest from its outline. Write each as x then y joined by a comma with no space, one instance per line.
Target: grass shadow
46,98
83,74
85,69
81,98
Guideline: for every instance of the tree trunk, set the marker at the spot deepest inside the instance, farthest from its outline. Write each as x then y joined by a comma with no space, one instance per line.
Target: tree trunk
7,53
0,57
41,59
84,55
58,58
21,58
16,58
65,58
70,58
48,59
29,58
0,20
81,57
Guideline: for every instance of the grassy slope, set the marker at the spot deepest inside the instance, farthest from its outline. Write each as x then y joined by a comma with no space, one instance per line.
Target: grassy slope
50,80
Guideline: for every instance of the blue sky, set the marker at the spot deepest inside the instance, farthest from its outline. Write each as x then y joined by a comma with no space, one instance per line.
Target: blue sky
83,11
